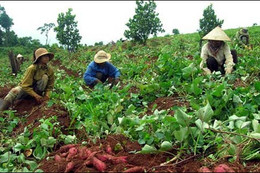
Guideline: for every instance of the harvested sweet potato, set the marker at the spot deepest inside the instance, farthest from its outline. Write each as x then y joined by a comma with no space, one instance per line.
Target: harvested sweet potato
98,164
65,148
204,169
101,157
83,153
57,158
64,154
109,149
72,153
120,159
135,169
69,167
223,168
115,160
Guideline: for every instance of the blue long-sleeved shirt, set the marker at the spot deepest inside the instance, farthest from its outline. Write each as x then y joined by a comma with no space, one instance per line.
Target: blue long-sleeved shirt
108,70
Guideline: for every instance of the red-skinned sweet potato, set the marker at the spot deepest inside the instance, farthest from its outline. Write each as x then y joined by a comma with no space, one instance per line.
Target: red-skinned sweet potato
72,153
57,158
109,149
65,148
101,157
98,164
204,169
223,168
115,160
64,154
69,167
135,169
83,153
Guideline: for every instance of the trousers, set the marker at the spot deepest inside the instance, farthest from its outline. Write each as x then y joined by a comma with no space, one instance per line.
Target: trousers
18,93
213,65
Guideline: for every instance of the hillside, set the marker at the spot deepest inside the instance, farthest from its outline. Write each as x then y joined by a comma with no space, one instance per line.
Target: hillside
164,115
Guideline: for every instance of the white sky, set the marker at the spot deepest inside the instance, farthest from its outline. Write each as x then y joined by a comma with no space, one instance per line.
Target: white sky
105,20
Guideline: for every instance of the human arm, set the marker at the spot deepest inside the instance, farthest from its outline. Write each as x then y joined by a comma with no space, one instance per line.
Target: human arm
50,84
229,59
27,82
89,75
113,71
204,57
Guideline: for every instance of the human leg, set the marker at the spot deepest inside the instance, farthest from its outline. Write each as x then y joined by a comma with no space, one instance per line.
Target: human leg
212,64
14,94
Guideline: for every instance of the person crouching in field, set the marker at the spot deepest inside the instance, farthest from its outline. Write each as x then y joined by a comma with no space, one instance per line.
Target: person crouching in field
38,80
100,70
216,54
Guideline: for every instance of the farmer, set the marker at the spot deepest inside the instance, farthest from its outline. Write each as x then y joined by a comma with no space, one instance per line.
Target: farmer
100,70
20,59
242,37
38,80
216,54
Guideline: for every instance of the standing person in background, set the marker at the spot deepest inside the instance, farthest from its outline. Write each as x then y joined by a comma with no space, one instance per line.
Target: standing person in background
216,54
100,70
38,80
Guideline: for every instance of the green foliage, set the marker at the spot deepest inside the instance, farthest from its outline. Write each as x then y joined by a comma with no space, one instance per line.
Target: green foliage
209,21
175,31
219,114
45,29
99,43
67,32
144,22
5,21
7,37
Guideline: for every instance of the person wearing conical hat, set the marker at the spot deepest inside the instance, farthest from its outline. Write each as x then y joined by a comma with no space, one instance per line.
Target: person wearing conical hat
20,59
37,82
100,70
216,54
242,37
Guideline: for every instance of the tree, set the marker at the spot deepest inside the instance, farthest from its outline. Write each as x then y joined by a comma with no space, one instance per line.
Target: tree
144,22
45,29
209,21
175,31
5,24
67,32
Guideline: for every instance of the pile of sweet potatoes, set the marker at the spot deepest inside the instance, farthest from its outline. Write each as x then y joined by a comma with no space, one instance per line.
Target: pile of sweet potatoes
218,168
96,159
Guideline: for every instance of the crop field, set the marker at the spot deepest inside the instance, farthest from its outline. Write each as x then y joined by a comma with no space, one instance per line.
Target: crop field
164,115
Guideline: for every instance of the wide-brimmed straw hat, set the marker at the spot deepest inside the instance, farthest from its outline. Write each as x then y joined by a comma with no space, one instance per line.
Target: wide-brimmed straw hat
217,34
101,57
40,52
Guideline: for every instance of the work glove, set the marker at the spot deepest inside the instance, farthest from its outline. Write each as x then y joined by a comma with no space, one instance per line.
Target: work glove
207,71
228,70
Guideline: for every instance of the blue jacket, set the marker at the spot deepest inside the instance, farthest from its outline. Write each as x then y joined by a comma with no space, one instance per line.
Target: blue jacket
107,70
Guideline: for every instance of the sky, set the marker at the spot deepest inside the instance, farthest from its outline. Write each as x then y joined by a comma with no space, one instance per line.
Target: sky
106,20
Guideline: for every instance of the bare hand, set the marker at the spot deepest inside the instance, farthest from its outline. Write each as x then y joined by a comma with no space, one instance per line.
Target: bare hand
45,98
39,99
98,81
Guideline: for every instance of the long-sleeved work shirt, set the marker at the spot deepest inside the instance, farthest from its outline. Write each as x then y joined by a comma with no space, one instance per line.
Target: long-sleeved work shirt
34,73
224,53
108,70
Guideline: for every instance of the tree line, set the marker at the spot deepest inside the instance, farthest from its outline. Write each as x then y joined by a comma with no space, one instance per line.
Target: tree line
144,23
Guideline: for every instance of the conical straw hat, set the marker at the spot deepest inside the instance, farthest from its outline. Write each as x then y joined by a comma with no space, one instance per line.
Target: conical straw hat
217,34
